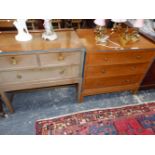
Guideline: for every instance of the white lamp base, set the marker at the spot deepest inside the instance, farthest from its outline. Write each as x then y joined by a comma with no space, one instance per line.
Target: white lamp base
52,36
23,37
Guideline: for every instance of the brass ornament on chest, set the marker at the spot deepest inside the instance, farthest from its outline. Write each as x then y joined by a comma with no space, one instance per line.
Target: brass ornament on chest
13,61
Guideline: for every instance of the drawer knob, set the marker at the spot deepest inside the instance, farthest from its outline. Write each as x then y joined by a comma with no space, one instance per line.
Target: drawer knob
126,80
138,56
61,57
62,71
19,76
103,71
13,61
133,67
105,59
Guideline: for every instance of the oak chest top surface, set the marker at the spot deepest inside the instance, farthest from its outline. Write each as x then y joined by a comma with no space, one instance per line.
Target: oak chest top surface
66,39
87,37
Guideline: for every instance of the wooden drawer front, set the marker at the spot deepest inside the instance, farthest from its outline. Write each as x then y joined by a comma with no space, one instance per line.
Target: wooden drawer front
115,70
17,61
111,82
118,57
60,58
43,74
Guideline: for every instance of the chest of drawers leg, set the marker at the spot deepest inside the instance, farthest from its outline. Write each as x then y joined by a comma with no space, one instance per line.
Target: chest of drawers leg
7,101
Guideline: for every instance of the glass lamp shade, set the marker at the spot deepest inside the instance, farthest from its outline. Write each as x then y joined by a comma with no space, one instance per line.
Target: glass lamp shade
100,22
139,23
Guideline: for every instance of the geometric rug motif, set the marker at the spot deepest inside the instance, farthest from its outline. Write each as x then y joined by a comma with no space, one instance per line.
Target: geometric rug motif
128,120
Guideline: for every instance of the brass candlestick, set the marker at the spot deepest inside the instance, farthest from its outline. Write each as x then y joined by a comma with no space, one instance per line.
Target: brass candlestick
117,27
100,34
129,36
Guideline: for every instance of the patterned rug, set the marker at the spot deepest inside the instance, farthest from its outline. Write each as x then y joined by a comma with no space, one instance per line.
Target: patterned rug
129,120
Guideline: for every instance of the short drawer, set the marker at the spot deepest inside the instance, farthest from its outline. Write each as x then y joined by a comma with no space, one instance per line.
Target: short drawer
54,73
17,62
60,58
111,82
108,58
115,70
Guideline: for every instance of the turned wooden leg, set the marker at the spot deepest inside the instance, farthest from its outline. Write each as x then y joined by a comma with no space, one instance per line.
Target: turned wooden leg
7,102
79,92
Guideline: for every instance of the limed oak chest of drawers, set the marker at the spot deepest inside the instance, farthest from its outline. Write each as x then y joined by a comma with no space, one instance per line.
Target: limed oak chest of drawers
111,70
39,63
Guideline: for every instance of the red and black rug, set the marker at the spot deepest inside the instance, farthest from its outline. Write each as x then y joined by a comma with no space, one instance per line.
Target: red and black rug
129,120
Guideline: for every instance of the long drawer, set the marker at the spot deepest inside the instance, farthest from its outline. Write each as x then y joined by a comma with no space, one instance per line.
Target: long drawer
111,81
60,58
108,58
8,62
114,70
54,73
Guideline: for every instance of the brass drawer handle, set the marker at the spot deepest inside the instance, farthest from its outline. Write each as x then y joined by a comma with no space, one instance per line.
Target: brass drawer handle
103,71
105,59
138,57
133,67
62,71
61,57
13,61
19,76
126,80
